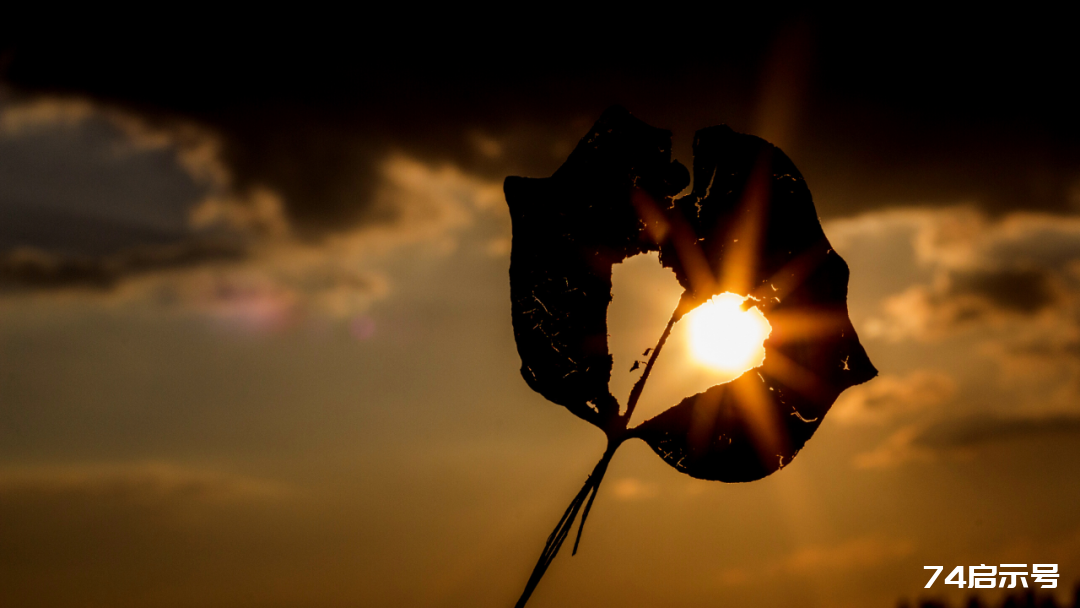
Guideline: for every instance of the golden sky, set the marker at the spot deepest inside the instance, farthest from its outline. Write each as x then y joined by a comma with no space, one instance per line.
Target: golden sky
256,347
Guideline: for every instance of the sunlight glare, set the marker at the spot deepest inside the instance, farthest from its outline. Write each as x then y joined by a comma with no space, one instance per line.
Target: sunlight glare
725,337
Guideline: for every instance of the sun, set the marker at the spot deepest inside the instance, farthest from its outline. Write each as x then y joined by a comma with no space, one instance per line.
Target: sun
725,337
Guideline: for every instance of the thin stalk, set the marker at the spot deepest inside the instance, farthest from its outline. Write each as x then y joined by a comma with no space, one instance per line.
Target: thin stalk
592,484
635,393
562,529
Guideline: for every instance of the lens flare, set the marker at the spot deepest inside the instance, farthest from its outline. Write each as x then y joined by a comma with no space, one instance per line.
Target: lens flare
725,337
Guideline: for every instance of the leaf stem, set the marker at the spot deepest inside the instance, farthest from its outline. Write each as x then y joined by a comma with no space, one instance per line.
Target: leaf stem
592,485
562,529
635,393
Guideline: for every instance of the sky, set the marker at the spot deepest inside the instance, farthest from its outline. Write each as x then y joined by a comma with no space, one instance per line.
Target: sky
255,335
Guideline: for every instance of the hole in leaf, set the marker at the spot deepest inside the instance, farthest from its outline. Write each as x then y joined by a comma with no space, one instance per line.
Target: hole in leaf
725,337
713,344
643,294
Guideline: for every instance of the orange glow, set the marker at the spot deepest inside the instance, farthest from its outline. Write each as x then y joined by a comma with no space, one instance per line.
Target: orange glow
725,337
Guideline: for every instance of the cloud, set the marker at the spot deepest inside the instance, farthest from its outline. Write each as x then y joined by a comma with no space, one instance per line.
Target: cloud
1001,290
139,485
93,193
962,437
863,553
854,554
891,396
982,430
30,268
964,301
426,203
631,488
901,447
162,216
995,306
987,273
1022,291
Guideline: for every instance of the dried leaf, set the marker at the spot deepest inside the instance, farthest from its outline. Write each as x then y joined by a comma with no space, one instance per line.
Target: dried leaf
747,227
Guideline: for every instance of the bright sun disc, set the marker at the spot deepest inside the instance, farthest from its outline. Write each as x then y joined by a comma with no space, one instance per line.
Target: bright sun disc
725,337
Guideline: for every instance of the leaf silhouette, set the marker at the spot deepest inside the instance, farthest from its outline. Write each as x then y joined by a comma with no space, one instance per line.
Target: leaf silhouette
749,227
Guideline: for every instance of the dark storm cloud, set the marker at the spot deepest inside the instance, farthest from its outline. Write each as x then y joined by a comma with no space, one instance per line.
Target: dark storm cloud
121,194
73,182
890,111
89,195
871,118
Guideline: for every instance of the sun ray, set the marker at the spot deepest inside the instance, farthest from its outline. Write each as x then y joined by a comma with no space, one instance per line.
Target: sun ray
797,377
805,325
766,431
742,250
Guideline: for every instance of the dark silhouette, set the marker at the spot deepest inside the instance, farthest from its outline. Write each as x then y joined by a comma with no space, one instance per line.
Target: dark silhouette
749,226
